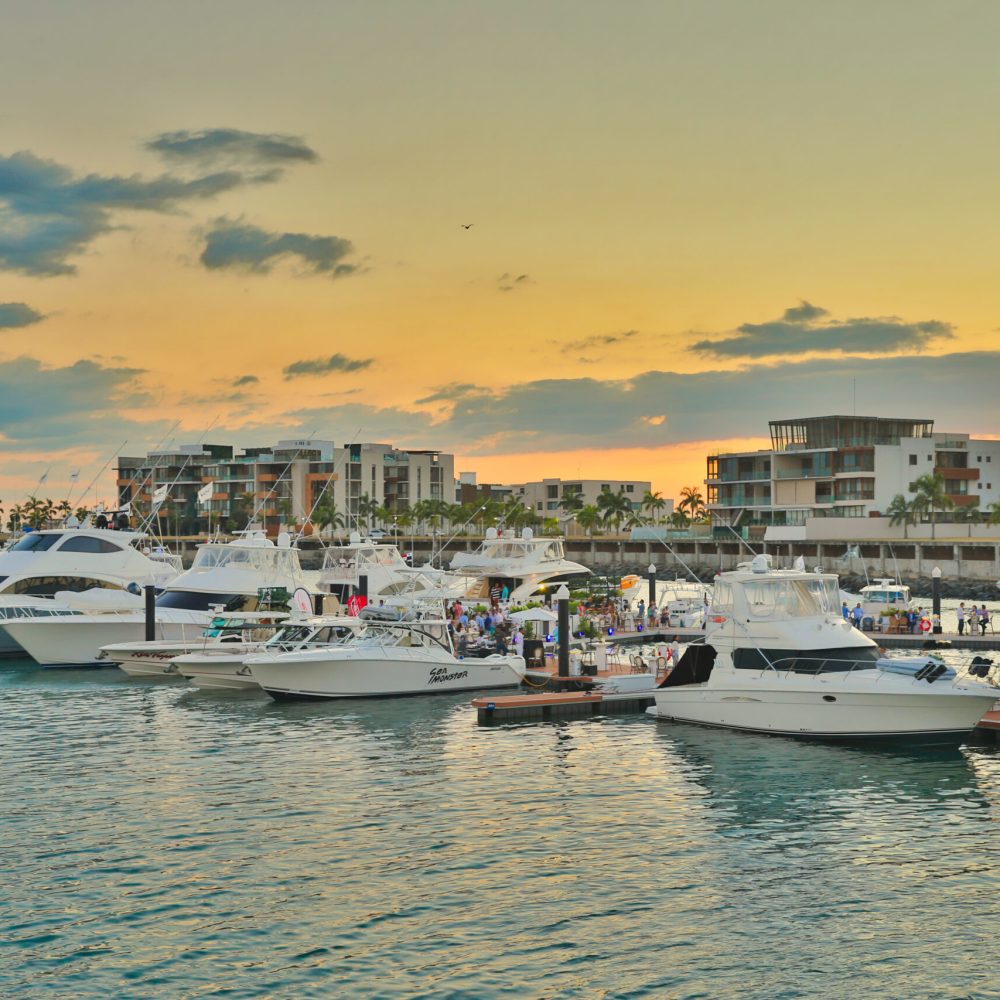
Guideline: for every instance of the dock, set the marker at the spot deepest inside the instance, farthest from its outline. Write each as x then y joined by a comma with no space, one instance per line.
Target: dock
558,705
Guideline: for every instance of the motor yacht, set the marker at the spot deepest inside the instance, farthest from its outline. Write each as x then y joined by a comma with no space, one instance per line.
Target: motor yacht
385,659
685,601
521,565
386,574
224,667
229,576
240,633
40,564
778,658
884,596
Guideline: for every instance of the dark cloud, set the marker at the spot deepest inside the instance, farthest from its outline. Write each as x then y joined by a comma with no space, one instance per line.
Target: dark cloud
15,314
599,340
47,215
449,393
324,366
246,380
508,282
206,147
237,245
805,328
47,407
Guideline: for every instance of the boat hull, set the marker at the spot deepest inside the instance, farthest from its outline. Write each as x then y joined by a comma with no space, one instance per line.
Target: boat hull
227,672
804,712
372,677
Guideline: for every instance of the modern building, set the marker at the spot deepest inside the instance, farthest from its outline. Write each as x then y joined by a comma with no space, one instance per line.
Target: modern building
840,466
546,496
472,493
282,483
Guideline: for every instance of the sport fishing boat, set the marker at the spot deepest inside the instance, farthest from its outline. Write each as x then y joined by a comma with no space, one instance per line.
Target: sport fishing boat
224,577
385,659
386,574
519,565
778,658
685,601
884,596
232,634
224,667
72,560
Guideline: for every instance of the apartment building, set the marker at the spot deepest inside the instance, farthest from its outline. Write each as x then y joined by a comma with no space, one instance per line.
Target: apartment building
282,482
545,496
841,466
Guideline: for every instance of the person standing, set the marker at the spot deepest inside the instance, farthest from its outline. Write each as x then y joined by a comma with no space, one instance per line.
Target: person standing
845,611
961,618
984,618
857,614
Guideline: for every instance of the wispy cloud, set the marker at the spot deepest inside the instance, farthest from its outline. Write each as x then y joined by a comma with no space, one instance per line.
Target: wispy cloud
599,340
808,328
234,244
48,215
509,282
326,366
212,146
246,380
16,314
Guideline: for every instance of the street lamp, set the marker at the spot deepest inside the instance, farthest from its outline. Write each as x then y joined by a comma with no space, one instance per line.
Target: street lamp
936,594
562,602
651,577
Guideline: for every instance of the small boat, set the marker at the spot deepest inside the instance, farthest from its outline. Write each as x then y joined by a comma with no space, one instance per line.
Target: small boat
884,596
778,658
385,659
223,667
230,634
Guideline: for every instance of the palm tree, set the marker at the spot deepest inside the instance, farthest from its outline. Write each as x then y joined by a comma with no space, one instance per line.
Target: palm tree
550,526
614,507
969,516
16,517
589,518
994,510
931,497
679,519
326,515
692,501
901,511
653,504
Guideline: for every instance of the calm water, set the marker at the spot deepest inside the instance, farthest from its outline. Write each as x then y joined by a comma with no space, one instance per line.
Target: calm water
163,843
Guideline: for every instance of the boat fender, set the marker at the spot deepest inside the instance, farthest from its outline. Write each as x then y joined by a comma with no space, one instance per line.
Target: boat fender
924,671
936,672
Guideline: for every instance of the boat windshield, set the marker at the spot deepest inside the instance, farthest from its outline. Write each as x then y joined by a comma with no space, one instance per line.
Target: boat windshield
802,598
890,596
424,635
262,559
196,600
292,637
35,542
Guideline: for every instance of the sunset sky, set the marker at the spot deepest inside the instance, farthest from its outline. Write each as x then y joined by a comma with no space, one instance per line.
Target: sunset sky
687,218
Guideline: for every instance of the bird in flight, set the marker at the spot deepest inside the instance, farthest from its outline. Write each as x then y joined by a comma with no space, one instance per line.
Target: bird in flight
469,226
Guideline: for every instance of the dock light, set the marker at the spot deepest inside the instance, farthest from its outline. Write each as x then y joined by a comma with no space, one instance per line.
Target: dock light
579,635
611,631
638,628
548,638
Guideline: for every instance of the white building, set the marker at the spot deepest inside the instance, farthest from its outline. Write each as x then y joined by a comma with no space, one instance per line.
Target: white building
545,497
840,466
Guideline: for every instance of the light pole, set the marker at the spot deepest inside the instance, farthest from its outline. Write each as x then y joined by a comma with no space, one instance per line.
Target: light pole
651,577
936,594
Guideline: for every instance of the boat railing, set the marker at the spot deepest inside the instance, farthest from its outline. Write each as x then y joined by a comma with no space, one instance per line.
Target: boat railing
934,670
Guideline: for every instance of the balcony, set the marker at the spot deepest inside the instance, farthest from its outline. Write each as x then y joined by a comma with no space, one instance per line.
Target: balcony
952,474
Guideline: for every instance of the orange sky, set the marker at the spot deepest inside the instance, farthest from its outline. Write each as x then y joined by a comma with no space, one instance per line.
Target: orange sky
276,197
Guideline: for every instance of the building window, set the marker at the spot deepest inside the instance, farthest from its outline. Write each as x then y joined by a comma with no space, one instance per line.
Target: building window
913,460
630,488
539,504
552,492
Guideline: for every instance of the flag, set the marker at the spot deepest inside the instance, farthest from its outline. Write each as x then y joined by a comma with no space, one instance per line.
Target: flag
160,493
205,493
74,475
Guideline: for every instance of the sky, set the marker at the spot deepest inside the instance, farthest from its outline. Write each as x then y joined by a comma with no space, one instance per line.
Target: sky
553,238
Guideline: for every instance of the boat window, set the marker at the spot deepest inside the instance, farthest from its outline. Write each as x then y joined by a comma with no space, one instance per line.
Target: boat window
790,598
194,600
87,543
722,599
35,542
49,586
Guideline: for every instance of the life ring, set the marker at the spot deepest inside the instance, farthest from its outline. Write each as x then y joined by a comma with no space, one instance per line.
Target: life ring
925,625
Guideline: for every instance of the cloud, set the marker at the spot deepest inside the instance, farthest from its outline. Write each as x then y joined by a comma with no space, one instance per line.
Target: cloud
599,340
206,147
324,366
46,407
15,314
508,282
451,392
806,328
48,215
233,244
246,380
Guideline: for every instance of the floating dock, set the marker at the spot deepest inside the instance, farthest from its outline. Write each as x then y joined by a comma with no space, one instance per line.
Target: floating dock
559,705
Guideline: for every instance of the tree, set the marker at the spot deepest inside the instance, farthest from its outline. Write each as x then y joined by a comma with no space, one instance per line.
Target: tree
368,508
692,501
550,526
969,516
589,518
901,511
930,497
654,504
679,519
614,507
326,515
994,509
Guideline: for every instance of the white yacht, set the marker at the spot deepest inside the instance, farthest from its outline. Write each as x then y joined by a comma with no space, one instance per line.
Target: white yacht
521,565
884,596
240,633
387,574
224,667
685,601
779,658
223,577
40,564
385,659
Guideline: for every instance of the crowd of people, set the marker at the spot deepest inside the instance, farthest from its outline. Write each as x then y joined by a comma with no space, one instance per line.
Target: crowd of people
916,620
484,629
